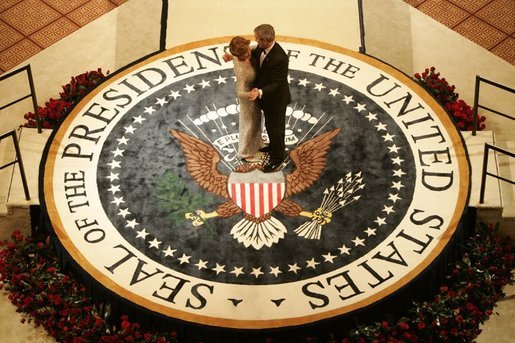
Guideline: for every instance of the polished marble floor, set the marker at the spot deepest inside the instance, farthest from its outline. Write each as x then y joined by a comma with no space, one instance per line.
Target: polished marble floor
29,26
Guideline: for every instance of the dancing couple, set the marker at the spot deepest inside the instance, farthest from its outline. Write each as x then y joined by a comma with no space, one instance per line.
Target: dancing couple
261,85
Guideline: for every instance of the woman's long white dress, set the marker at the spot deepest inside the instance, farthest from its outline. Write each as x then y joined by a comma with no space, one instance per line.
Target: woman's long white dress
250,114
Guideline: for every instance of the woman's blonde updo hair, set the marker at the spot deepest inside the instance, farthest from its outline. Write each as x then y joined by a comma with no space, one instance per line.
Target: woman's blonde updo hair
239,47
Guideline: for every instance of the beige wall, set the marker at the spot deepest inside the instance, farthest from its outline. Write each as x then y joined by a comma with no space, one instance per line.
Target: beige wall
332,21
395,33
411,41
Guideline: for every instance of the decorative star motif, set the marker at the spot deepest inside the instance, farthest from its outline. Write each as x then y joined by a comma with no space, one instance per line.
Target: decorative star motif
370,232
117,152
360,107
381,127
388,209
139,119
397,160
334,92
154,243
388,137
161,101
201,265
114,189
380,221
397,185
204,84
312,263
256,272
394,197
189,88
304,82
290,79
114,164
123,212
113,177
149,110
329,258
184,259
319,86
398,173
221,79
237,271
129,129
175,95
142,234
293,268
371,116
122,140
358,241
348,99
344,250
394,148
275,271
132,223
219,269
117,201
169,251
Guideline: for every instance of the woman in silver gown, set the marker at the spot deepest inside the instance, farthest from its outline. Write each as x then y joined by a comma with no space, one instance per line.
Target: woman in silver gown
250,114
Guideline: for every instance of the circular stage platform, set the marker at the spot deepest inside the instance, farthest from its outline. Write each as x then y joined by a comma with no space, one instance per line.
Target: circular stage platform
148,199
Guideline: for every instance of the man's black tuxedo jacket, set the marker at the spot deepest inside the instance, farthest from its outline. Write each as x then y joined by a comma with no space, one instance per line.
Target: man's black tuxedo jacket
272,78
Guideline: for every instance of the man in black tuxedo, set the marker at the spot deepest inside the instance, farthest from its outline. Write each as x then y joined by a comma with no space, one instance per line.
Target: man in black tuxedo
271,91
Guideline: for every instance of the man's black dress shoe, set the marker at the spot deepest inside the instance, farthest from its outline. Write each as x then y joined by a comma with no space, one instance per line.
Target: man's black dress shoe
271,166
264,149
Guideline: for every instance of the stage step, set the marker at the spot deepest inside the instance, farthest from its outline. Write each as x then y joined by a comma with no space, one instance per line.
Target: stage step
476,147
499,202
507,170
6,173
14,208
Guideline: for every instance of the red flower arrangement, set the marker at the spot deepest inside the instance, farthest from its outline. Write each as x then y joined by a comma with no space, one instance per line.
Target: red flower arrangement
463,115
81,85
466,301
30,272
56,109
446,94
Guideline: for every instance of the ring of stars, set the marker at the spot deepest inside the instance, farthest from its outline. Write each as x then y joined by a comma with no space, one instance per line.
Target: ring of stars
218,267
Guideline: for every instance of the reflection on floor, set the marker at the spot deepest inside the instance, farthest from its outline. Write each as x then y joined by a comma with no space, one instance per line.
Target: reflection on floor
29,26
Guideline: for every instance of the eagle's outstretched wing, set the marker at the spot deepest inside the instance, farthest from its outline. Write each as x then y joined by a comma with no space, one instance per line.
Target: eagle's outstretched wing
201,161
310,158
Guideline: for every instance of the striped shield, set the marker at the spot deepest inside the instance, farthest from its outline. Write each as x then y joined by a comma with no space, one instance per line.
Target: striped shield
256,193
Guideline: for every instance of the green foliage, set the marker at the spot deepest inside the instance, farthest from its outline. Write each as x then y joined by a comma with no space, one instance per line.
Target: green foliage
177,200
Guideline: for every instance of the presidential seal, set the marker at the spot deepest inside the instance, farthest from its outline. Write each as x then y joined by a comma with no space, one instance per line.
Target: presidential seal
144,189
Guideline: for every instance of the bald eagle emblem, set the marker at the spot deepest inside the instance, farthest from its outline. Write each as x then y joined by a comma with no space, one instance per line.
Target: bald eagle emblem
258,194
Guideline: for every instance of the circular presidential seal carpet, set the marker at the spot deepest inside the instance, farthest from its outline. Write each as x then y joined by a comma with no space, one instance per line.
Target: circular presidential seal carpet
146,196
